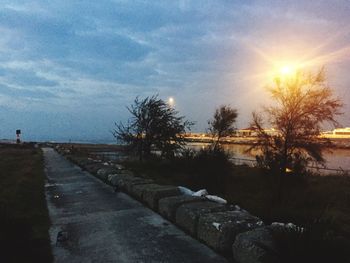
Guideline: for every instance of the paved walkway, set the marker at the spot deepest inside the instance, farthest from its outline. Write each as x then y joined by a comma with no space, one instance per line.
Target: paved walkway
99,225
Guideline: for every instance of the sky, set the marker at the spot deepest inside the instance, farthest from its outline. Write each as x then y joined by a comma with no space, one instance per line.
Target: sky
68,69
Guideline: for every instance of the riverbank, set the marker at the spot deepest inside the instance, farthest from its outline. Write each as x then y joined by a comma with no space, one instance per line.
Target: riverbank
339,142
24,220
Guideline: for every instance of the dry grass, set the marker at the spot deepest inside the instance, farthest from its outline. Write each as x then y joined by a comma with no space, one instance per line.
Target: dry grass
24,220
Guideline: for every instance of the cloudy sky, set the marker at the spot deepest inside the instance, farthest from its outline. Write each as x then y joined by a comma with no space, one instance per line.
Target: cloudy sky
68,68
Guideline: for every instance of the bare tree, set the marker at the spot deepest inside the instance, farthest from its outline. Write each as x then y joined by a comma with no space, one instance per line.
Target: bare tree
154,124
222,123
303,102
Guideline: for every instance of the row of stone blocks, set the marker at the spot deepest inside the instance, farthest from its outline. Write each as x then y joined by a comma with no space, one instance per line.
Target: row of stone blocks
216,225
225,228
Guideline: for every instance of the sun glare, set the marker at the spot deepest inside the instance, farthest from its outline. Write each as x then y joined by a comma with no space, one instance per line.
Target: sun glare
286,70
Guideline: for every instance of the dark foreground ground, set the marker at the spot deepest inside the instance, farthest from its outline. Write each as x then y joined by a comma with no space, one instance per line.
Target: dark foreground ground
100,225
24,220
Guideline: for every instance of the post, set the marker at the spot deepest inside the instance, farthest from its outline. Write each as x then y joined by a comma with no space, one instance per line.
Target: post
18,139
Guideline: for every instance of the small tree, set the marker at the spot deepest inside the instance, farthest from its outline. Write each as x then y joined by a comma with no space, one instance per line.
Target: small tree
154,124
304,102
222,123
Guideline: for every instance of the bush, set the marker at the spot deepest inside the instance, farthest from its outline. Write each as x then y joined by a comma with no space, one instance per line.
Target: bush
211,166
318,243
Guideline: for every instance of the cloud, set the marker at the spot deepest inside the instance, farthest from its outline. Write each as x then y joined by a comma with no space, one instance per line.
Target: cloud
87,60
24,93
26,78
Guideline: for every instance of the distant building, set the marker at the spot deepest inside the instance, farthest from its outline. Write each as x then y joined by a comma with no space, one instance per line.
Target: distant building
342,131
252,132
247,132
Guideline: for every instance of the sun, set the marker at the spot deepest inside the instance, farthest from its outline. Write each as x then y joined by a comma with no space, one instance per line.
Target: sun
286,70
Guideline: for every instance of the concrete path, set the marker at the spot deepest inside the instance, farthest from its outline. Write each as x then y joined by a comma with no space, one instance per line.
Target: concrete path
99,225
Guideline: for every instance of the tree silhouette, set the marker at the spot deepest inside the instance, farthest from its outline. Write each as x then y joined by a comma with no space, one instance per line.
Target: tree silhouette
303,102
153,125
222,123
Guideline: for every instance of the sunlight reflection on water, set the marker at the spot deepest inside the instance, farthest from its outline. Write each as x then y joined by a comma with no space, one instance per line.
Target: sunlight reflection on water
335,158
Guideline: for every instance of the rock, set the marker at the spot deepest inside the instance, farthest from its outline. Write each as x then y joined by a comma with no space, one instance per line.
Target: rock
169,205
255,246
137,191
92,168
278,227
111,178
120,180
151,193
187,215
119,166
125,172
151,196
83,162
103,173
219,230
130,184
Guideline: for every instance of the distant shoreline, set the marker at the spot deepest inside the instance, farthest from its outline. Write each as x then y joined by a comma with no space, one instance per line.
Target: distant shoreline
338,143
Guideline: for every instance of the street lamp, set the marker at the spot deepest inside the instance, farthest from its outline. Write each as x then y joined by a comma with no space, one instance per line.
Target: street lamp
171,101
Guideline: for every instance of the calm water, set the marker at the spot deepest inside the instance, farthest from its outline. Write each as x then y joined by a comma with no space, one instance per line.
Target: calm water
335,159
338,159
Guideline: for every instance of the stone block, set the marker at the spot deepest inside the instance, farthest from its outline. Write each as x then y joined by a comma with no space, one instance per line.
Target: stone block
120,180
103,173
125,182
138,189
111,178
83,162
151,196
255,246
219,230
187,215
130,184
169,205
124,172
152,193
92,168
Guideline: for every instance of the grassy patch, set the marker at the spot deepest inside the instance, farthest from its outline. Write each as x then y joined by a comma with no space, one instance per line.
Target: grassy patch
24,220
